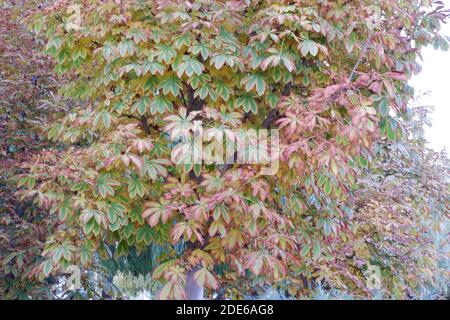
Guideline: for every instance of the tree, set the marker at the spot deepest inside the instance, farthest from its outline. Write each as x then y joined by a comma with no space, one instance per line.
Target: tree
401,214
326,74
27,102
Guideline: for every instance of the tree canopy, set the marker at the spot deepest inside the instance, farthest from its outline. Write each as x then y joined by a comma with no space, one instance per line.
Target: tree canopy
330,76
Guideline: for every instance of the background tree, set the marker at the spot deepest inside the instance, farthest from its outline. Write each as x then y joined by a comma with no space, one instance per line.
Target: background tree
327,74
401,215
27,94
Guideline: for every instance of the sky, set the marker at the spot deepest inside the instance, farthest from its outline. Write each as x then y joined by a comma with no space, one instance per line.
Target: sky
435,79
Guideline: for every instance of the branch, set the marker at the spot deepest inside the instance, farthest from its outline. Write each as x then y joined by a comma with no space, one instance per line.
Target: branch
273,113
270,117
143,120
144,124
361,56
194,104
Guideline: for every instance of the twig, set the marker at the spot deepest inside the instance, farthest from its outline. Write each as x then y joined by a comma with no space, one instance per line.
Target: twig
361,56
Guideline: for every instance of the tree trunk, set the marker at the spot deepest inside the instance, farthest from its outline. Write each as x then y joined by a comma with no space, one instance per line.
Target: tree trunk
193,291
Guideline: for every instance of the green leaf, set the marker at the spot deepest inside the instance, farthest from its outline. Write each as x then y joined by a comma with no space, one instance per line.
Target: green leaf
183,40
363,162
247,102
47,267
90,225
189,66
153,67
144,234
126,47
392,130
200,48
57,254
104,117
122,248
206,91
80,186
383,107
305,250
141,105
115,209
308,46
136,215
172,85
316,250
64,210
255,81
165,53
327,188
223,90
160,104
321,180
105,185
85,255
273,99
129,230
136,188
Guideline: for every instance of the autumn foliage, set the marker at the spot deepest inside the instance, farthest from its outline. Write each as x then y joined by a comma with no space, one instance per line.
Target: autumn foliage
331,76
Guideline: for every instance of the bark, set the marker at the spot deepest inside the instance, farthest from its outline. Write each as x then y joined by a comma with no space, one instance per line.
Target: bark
193,291
144,124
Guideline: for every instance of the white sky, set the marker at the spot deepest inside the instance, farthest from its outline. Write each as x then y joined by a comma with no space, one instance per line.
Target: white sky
435,78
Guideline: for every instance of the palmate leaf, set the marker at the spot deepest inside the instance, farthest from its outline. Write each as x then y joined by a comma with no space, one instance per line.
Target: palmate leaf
126,47
171,84
197,81
204,277
141,105
154,67
200,48
223,90
116,209
128,230
105,186
255,81
65,210
138,35
104,118
157,211
272,99
155,167
221,211
219,60
136,215
160,104
276,59
122,249
206,91
183,40
144,234
159,149
247,102
136,187
308,46
189,230
165,53
189,66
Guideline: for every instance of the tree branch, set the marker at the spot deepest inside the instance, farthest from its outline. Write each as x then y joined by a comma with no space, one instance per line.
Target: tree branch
361,56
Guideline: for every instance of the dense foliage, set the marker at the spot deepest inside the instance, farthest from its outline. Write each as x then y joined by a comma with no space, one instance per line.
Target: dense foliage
27,102
401,214
330,75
